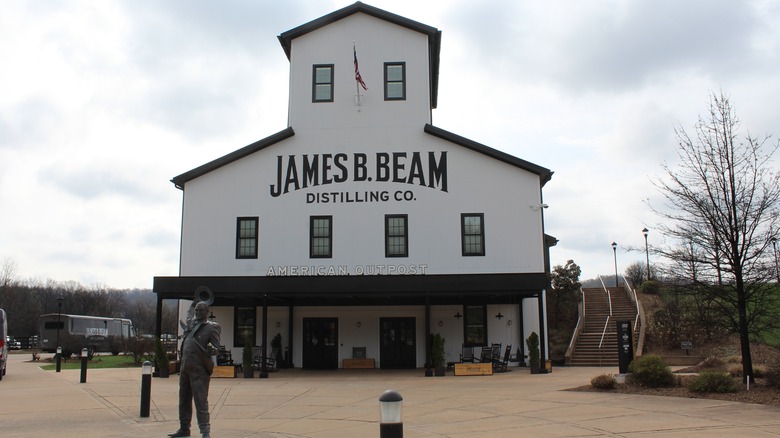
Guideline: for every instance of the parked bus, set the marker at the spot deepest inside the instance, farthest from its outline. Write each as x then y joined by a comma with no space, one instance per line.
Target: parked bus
98,333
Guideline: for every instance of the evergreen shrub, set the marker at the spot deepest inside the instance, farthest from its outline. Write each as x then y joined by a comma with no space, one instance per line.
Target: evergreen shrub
712,381
651,371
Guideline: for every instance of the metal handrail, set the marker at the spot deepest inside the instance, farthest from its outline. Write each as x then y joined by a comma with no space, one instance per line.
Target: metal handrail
609,295
577,328
603,333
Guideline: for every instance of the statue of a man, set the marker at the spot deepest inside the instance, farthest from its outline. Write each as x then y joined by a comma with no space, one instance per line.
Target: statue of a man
196,368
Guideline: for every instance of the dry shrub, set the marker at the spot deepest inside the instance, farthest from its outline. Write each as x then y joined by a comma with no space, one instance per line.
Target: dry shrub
711,362
734,359
604,381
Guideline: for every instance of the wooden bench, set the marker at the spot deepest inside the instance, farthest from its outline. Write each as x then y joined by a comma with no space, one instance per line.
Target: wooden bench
358,363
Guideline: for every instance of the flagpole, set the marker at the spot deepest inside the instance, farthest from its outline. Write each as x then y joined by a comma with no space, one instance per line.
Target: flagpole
357,85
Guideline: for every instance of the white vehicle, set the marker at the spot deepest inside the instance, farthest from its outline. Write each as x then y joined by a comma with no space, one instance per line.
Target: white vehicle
99,332
3,343
13,344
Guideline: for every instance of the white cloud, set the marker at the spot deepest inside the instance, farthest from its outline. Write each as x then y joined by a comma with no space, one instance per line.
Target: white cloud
104,102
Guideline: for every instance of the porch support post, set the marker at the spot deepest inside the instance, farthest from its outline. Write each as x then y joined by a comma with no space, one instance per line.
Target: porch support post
542,334
521,333
427,329
263,367
158,321
289,336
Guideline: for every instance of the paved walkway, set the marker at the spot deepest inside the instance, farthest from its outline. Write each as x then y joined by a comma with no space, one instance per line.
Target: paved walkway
344,403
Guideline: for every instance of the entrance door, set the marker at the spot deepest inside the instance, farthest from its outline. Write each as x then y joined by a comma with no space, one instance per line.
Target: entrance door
320,343
398,345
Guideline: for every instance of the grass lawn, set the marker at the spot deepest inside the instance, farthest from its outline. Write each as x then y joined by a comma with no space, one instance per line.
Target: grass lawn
74,363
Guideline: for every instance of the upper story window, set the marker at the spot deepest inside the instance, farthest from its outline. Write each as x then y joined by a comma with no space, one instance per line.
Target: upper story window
396,235
320,237
246,238
395,81
322,83
472,228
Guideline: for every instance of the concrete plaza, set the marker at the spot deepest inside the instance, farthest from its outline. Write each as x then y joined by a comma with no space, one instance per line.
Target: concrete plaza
344,403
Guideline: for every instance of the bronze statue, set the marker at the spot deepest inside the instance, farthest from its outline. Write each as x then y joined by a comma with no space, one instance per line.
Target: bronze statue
196,367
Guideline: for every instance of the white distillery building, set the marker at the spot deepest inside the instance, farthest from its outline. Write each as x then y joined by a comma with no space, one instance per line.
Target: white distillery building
362,226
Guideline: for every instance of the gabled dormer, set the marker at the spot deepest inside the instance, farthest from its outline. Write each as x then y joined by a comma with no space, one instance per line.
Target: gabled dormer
398,62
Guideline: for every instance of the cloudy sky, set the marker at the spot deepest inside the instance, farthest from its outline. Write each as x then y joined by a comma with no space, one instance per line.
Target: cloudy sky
102,103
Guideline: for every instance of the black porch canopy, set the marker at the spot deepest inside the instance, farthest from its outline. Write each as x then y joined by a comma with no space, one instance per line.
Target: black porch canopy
357,289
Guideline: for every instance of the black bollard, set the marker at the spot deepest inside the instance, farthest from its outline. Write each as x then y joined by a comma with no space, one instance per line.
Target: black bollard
58,358
390,424
84,357
146,388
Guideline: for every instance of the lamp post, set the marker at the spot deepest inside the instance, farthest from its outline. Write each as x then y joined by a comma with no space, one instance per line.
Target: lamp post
647,252
59,314
614,253
390,424
777,269
59,359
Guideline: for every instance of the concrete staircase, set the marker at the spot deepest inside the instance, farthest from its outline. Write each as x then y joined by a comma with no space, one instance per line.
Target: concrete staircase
586,351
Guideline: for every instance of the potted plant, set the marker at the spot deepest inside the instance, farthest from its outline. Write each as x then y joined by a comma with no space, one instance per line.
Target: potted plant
247,357
161,359
437,355
533,352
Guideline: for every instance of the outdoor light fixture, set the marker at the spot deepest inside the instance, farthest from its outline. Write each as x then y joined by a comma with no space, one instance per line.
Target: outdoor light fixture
441,323
390,424
499,316
212,317
458,315
358,324
537,207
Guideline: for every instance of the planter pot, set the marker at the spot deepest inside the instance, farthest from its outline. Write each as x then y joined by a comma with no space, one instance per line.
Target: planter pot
163,372
428,372
534,368
440,371
248,372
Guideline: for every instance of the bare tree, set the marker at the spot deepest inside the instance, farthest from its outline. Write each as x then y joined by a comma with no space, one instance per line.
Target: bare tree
721,216
635,273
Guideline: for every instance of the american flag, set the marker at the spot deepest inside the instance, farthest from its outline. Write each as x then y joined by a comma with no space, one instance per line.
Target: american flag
358,78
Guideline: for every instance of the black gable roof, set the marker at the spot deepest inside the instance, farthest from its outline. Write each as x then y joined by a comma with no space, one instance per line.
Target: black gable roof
434,35
180,180
544,173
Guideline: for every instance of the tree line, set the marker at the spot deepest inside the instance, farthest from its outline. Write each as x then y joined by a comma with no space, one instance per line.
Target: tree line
25,300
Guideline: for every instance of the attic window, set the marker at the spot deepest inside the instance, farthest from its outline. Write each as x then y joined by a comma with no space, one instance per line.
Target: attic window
322,83
395,81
